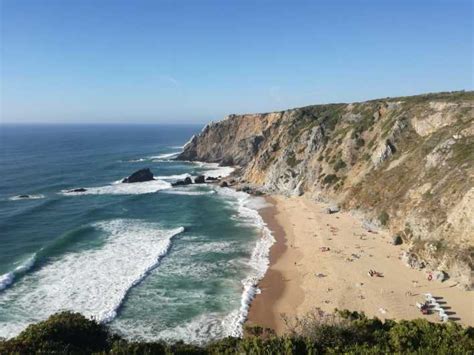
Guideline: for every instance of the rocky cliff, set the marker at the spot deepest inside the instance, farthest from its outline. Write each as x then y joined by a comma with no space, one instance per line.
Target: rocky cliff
405,163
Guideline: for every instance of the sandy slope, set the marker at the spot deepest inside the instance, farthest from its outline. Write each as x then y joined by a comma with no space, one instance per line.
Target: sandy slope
302,277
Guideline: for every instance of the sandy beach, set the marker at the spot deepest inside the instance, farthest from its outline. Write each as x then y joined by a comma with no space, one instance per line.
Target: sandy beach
322,260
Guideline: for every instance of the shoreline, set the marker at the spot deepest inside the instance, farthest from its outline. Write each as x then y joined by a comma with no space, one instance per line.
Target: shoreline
302,277
269,306
271,285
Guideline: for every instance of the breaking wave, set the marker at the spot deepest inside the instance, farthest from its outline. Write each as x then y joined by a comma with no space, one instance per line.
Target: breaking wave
7,279
247,207
26,197
93,282
119,188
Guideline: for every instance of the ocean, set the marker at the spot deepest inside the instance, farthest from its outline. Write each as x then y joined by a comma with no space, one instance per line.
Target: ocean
152,261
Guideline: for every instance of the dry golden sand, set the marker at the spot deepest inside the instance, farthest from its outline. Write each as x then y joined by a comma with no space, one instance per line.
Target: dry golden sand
292,285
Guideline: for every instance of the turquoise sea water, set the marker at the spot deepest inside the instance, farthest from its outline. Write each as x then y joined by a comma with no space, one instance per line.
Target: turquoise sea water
154,262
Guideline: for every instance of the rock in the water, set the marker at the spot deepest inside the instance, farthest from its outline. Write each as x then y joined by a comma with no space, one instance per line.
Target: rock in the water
397,239
224,184
81,189
211,178
139,176
246,189
186,181
178,183
24,196
332,209
199,179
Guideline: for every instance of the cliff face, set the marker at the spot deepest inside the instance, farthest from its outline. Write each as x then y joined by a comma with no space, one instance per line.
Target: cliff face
406,163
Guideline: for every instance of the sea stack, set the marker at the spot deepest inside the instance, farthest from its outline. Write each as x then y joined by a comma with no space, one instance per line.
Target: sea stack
139,176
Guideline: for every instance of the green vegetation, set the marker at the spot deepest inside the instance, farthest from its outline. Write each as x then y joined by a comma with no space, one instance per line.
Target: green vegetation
360,142
317,332
365,123
383,218
371,143
291,160
452,96
330,179
340,164
463,152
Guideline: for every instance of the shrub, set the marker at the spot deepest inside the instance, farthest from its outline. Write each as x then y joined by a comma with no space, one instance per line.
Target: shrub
360,142
383,218
316,332
291,160
340,164
330,179
61,331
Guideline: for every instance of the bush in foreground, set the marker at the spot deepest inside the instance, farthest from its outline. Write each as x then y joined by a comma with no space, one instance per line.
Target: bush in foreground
317,332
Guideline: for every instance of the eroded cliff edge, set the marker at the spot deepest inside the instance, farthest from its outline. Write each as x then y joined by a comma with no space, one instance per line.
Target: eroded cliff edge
405,163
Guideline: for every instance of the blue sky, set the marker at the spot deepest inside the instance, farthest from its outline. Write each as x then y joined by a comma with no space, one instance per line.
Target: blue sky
195,61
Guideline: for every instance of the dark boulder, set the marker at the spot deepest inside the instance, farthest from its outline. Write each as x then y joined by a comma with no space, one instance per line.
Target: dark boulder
81,189
200,179
211,178
246,189
224,184
139,176
24,196
397,239
186,181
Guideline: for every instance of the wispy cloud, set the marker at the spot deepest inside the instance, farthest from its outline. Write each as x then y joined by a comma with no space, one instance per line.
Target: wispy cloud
171,80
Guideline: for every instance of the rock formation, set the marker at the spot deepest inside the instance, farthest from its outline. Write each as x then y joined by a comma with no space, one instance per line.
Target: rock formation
186,181
406,163
139,176
80,189
200,179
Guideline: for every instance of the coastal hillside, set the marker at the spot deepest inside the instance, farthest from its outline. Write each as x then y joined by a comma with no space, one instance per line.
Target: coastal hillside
404,164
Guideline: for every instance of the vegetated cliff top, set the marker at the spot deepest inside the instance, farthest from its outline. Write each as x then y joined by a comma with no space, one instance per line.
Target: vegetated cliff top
343,332
407,163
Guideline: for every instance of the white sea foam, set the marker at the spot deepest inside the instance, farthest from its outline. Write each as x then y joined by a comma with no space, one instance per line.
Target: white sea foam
173,177
214,170
201,329
136,160
210,326
189,141
30,197
8,278
119,188
212,247
188,191
165,155
93,282
259,261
